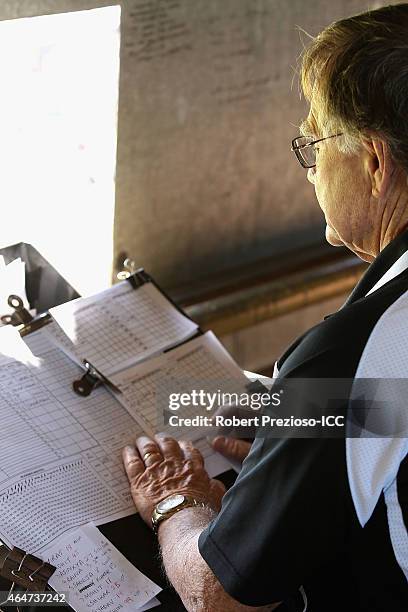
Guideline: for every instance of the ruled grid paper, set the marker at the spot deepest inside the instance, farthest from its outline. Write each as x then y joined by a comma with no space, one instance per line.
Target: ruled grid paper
202,363
122,326
60,453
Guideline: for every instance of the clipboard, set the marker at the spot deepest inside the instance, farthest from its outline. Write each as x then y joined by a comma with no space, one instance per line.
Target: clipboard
94,376
20,569
118,532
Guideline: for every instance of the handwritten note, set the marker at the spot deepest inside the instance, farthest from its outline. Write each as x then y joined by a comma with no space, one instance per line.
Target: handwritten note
96,575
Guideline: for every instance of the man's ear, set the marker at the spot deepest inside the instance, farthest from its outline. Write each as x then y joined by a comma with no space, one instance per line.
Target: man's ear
379,165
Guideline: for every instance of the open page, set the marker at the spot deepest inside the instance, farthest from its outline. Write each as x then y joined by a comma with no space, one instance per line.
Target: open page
200,369
60,453
121,326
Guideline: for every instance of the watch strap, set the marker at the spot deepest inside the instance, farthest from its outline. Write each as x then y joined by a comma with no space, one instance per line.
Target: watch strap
189,502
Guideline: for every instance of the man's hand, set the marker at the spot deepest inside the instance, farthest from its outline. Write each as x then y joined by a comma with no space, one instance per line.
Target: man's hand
161,467
232,448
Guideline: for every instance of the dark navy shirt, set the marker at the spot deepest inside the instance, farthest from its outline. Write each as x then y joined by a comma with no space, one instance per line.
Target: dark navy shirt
321,523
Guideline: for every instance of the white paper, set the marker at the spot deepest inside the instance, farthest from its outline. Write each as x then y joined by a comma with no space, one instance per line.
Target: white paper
97,577
53,332
13,347
153,603
202,363
61,461
122,326
60,453
265,380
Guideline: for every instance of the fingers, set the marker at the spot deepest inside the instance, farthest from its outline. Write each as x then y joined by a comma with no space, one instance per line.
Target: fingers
191,454
232,448
154,451
149,451
133,464
169,447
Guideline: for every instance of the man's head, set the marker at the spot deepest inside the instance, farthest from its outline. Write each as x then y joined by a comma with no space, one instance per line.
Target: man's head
355,75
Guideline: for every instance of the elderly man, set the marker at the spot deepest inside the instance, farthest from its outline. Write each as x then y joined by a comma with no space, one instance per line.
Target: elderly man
317,524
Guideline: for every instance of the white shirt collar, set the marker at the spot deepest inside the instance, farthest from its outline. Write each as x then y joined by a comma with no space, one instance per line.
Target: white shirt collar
397,267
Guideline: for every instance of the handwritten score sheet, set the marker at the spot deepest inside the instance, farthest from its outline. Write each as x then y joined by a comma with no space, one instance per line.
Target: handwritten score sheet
122,326
203,364
97,577
60,453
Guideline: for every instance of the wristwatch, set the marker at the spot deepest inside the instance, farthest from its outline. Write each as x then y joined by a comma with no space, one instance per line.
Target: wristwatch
172,504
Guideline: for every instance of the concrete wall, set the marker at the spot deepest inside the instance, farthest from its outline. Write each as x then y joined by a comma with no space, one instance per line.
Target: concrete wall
208,106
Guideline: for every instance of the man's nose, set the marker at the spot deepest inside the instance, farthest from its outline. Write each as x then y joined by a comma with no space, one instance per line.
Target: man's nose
311,173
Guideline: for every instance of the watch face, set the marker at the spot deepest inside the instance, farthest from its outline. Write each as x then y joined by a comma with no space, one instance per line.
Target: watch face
170,503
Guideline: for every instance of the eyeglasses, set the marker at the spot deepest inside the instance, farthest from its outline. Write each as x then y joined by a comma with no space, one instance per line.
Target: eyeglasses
304,149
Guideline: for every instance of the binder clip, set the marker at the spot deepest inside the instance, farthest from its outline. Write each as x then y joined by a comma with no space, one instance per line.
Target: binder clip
36,323
24,570
129,268
135,276
91,379
20,316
